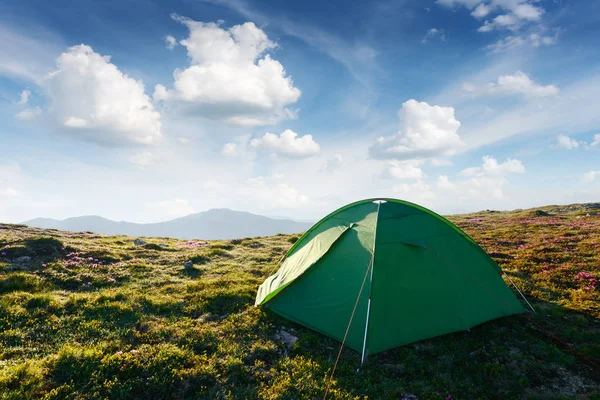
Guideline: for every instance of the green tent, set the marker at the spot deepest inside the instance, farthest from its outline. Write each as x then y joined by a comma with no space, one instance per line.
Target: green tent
402,272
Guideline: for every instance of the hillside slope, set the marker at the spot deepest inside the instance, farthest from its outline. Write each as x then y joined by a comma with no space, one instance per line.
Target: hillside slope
213,224
93,316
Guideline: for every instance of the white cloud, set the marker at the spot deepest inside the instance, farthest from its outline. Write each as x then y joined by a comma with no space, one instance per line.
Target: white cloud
566,142
426,131
28,114
333,164
491,167
444,183
228,80
533,39
288,144
518,83
24,98
11,192
359,58
481,11
418,192
277,194
482,183
183,140
142,159
590,176
92,99
172,208
432,33
512,14
170,42
509,21
404,170
596,141
230,150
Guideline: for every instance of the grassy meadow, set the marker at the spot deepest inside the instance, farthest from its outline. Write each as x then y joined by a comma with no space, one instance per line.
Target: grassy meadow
92,316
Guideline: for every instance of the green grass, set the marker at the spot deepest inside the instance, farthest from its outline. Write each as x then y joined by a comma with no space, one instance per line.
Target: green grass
94,316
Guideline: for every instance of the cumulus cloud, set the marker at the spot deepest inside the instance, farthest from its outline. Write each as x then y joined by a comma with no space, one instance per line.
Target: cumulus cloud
590,176
142,159
403,170
425,131
92,99
230,150
511,14
24,97
288,144
333,164
518,83
481,182
596,141
170,42
433,33
491,167
229,79
29,114
566,142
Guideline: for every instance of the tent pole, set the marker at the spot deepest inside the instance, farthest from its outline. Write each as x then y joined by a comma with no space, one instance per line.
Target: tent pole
523,296
362,358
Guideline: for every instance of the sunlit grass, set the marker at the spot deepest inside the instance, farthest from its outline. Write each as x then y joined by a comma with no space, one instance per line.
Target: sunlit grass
93,316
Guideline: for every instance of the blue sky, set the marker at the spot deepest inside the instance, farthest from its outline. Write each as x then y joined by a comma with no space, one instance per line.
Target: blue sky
146,110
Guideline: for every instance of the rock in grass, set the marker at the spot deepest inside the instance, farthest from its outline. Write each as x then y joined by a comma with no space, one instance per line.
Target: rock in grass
188,264
287,338
163,245
139,242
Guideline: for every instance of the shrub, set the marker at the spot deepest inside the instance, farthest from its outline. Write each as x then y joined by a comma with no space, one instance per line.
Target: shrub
21,282
45,247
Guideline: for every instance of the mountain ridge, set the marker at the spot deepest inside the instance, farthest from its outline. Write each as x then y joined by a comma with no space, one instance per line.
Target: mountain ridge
216,223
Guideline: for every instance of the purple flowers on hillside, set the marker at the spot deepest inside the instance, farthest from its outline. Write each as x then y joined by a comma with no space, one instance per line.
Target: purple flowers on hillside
193,244
587,279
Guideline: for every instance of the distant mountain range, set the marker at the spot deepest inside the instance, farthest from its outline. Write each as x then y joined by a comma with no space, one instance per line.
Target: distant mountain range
213,224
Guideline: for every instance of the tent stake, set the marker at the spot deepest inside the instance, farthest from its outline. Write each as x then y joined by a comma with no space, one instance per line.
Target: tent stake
523,296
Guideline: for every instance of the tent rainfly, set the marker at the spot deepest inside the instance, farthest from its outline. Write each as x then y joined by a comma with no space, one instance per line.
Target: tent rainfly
399,272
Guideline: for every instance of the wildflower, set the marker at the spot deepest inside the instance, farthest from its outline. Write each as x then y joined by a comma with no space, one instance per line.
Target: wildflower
3,253
119,353
89,283
133,351
43,265
448,397
90,258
